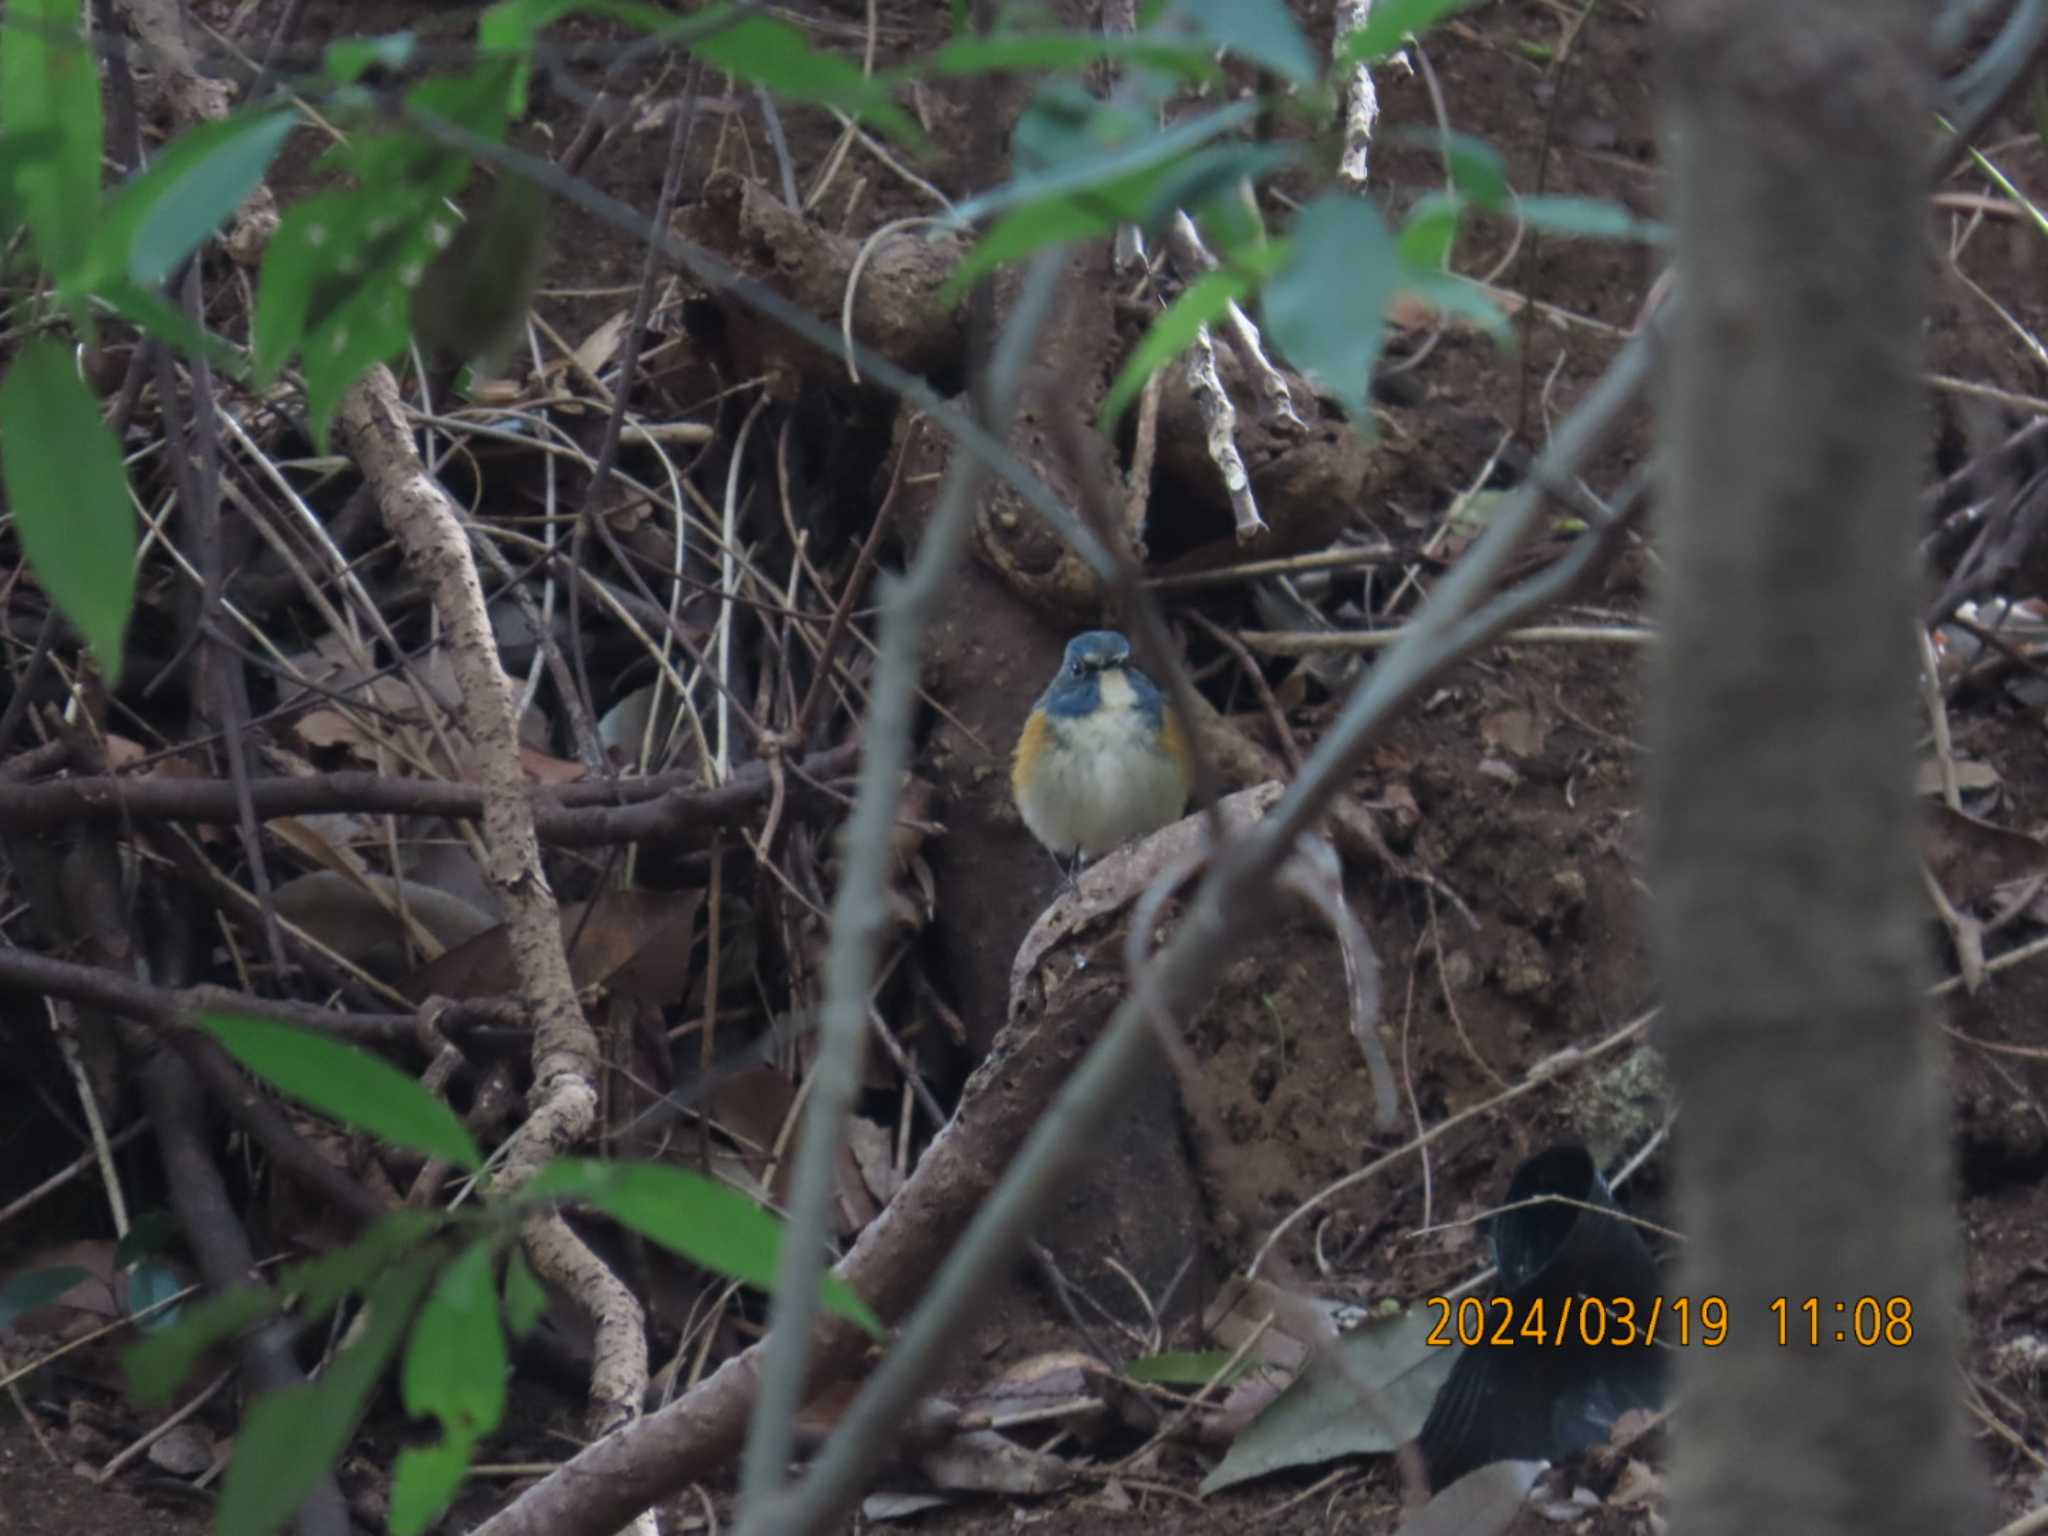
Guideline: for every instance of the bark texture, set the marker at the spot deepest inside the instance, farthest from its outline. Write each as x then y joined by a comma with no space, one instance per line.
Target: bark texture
1813,1157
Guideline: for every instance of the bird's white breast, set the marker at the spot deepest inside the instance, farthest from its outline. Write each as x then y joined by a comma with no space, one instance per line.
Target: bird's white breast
1104,779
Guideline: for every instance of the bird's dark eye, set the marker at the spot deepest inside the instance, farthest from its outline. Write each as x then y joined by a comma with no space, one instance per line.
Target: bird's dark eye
1075,669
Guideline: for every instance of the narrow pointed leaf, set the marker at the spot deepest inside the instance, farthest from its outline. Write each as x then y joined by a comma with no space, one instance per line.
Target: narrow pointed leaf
455,1366
289,1438
1092,171
61,468
1203,301
37,1288
160,1363
1326,307
1028,52
700,1219
157,219
525,1299
1259,30
455,1370
1590,217
765,51
50,84
348,1083
425,1481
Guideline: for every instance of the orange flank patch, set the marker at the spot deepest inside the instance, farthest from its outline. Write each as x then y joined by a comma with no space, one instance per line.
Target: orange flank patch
1031,748
1173,737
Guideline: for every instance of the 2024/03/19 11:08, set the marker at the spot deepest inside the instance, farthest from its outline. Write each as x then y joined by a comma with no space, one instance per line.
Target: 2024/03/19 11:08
1865,1320
1623,1322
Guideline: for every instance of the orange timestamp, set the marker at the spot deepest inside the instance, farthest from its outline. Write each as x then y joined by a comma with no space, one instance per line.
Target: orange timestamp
1865,1320
1620,1321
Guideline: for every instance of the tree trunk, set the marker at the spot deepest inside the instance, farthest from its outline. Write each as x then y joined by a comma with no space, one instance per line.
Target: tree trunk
1813,1161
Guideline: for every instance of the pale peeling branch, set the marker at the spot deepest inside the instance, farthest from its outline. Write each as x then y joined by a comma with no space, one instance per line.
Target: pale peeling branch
1193,256
1219,428
1361,99
428,527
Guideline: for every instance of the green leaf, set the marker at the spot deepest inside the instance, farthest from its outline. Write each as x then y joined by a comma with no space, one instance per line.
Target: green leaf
156,219
50,84
167,322
1231,224
1427,232
37,1288
348,59
1202,301
314,1288
764,51
1590,217
455,1366
704,1221
1187,1368
515,25
318,236
348,1083
371,325
151,1284
1259,30
317,1286
425,1480
1144,198
480,99
472,301
1101,168
411,161
525,1299
1065,122
1018,234
289,1438
1392,22
1461,296
16,151
1029,52
338,279
1361,1395
1477,170
62,471
152,1232
455,1370
1202,177
1326,309
161,1362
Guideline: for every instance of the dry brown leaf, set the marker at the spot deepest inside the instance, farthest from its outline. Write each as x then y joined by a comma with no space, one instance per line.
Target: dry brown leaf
1518,732
1482,1502
1639,1484
1971,858
1972,777
121,751
875,1153
541,768
982,1461
356,916
596,349
637,943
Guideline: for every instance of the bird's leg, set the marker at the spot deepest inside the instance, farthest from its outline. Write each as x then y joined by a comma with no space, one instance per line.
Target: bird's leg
1069,866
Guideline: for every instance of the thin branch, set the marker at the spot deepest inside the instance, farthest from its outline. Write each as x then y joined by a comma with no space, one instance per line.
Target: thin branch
859,919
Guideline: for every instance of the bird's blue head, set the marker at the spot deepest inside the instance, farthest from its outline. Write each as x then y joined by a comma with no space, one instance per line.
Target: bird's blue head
1076,690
